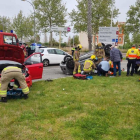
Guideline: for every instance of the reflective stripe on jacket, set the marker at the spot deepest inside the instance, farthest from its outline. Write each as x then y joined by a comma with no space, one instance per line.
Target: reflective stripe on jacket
10,68
132,53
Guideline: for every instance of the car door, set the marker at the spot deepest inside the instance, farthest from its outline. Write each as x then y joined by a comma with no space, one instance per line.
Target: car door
59,55
35,65
51,56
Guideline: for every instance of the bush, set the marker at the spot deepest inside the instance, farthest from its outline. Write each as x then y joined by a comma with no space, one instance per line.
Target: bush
126,46
63,44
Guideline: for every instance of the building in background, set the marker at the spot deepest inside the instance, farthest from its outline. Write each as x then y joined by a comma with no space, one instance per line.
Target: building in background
83,37
121,33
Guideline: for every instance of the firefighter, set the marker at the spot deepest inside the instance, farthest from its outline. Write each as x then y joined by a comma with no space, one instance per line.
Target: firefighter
7,75
131,55
76,59
89,65
99,53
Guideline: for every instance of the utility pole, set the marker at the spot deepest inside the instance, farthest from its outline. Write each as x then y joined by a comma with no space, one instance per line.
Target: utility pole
89,27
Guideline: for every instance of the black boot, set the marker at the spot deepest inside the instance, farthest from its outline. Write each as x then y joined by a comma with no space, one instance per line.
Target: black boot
3,99
25,96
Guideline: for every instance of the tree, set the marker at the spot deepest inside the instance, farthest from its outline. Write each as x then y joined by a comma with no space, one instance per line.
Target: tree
76,40
23,26
50,13
5,24
133,18
101,15
136,39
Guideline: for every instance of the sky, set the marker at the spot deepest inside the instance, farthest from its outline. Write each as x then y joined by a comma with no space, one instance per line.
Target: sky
11,8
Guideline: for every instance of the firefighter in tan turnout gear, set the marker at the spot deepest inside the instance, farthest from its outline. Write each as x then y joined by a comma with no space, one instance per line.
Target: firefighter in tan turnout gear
9,73
76,59
99,52
89,65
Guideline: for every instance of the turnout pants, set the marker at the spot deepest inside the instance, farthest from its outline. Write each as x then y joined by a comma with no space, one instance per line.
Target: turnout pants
7,75
77,67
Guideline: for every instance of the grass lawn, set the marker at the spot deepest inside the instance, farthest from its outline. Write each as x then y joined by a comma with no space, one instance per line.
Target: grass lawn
104,108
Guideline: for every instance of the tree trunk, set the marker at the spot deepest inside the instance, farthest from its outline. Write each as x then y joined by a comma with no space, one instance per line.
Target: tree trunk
51,39
94,41
89,27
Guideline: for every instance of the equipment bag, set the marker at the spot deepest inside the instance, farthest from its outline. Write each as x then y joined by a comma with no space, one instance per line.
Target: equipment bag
79,76
89,77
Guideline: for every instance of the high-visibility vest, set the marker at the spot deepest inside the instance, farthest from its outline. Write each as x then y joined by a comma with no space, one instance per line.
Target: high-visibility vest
132,53
89,66
138,56
73,49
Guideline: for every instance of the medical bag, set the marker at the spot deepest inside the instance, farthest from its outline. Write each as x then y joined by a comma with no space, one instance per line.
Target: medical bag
79,76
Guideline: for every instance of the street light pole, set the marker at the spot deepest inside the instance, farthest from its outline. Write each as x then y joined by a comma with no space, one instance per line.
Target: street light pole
34,18
112,13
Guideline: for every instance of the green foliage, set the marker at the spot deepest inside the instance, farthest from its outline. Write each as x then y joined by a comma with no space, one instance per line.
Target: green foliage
126,46
46,44
63,44
23,26
126,38
50,13
76,40
136,39
133,18
101,13
5,24
100,109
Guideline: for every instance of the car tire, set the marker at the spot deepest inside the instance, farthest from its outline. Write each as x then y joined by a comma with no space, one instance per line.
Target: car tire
45,62
66,58
70,64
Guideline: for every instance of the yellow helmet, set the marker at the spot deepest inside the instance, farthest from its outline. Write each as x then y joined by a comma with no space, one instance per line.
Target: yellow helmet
79,46
99,44
92,57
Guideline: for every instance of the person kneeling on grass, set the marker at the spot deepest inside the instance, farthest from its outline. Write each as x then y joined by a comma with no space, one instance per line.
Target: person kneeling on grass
103,67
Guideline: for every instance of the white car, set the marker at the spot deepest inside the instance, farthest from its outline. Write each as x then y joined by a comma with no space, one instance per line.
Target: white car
52,55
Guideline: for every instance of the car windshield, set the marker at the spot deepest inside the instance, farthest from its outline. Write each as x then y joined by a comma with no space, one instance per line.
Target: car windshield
9,40
40,50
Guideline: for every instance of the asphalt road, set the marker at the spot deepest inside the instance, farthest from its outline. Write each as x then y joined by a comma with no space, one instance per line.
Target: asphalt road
55,72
